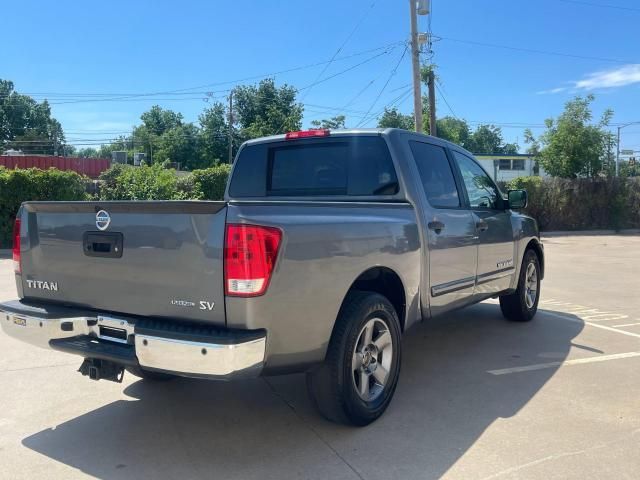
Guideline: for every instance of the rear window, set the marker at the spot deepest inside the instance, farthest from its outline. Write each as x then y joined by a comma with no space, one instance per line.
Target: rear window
358,166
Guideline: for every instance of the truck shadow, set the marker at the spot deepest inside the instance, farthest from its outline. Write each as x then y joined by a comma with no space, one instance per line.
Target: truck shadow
445,400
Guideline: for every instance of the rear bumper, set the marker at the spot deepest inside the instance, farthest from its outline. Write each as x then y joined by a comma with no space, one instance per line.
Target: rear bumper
158,345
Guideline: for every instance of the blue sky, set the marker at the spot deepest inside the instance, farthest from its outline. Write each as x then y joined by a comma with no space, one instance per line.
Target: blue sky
67,50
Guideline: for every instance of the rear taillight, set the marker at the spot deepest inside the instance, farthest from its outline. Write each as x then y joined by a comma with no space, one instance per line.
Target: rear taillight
16,246
250,253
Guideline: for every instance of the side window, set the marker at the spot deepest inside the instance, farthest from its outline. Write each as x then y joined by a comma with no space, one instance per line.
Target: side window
481,190
435,174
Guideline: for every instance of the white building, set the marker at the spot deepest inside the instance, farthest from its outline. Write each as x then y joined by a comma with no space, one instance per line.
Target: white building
503,168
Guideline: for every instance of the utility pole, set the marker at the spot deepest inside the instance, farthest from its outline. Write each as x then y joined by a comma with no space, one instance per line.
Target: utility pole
415,65
618,154
230,135
432,104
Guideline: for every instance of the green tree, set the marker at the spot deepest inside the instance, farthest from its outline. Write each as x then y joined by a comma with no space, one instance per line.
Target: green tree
26,124
120,144
180,144
630,169
571,146
333,123
454,130
266,109
158,120
392,118
486,139
87,152
214,130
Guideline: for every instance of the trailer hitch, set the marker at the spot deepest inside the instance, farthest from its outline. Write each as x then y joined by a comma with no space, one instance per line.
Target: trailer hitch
97,369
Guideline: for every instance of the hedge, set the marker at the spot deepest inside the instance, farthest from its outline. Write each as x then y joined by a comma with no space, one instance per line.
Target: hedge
210,183
582,204
125,182
557,204
17,186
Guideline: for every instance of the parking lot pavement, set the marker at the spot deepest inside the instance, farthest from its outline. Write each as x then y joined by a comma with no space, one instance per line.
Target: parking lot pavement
478,398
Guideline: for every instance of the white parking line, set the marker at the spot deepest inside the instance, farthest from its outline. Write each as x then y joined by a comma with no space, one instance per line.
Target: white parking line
596,325
626,325
577,361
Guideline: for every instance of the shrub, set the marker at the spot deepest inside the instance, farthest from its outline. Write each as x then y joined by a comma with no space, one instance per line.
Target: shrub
186,187
21,185
126,182
210,183
583,203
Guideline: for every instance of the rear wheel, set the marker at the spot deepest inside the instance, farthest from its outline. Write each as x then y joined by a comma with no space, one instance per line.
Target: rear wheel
356,382
148,374
522,305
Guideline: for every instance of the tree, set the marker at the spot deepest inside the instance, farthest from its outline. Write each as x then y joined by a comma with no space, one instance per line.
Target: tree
120,144
571,146
266,109
214,130
158,120
26,124
87,152
630,168
180,144
454,130
486,139
392,118
333,123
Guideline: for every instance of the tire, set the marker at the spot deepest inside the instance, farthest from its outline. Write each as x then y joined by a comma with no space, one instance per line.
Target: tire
337,387
522,305
148,374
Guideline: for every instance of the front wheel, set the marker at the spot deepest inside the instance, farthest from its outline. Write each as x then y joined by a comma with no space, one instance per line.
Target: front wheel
356,382
522,305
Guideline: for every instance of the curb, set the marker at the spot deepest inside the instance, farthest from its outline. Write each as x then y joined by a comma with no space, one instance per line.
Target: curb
590,233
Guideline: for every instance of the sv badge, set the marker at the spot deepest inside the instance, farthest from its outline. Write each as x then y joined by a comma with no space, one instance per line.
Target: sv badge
207,305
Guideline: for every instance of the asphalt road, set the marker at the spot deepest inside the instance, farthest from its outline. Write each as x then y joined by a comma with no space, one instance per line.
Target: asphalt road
478,398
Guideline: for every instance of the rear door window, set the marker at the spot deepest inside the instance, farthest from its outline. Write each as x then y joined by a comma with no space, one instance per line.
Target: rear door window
436,175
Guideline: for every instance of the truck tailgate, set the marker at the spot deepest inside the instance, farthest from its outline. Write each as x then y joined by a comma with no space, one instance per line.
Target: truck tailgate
154,258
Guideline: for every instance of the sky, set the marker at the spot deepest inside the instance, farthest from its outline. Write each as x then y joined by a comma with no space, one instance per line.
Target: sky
508,62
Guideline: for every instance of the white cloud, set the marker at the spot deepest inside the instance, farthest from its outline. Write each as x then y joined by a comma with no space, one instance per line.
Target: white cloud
552,91
617,77
613,78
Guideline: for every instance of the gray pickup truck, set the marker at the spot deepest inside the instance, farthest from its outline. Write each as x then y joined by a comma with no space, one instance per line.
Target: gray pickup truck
328,247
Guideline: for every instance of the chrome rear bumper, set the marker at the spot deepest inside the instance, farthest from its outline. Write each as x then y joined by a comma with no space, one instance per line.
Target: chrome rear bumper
154,345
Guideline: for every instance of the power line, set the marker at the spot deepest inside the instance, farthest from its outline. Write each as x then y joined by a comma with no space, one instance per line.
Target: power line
391,74
445,100
184,91
353,31
602,5
532,50
120,99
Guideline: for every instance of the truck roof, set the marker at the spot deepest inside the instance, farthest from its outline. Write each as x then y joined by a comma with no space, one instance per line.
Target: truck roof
361,131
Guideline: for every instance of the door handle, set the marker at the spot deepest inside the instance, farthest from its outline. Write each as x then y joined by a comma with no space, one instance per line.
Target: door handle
437,226
482,226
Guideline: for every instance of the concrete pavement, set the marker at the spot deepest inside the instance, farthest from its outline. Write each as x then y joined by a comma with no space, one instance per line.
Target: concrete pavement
478,398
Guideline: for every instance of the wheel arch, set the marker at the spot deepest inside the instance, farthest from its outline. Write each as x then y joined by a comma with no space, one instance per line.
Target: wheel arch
387,282
535,245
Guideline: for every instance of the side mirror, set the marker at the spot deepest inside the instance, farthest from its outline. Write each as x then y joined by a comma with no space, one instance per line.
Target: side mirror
517,199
